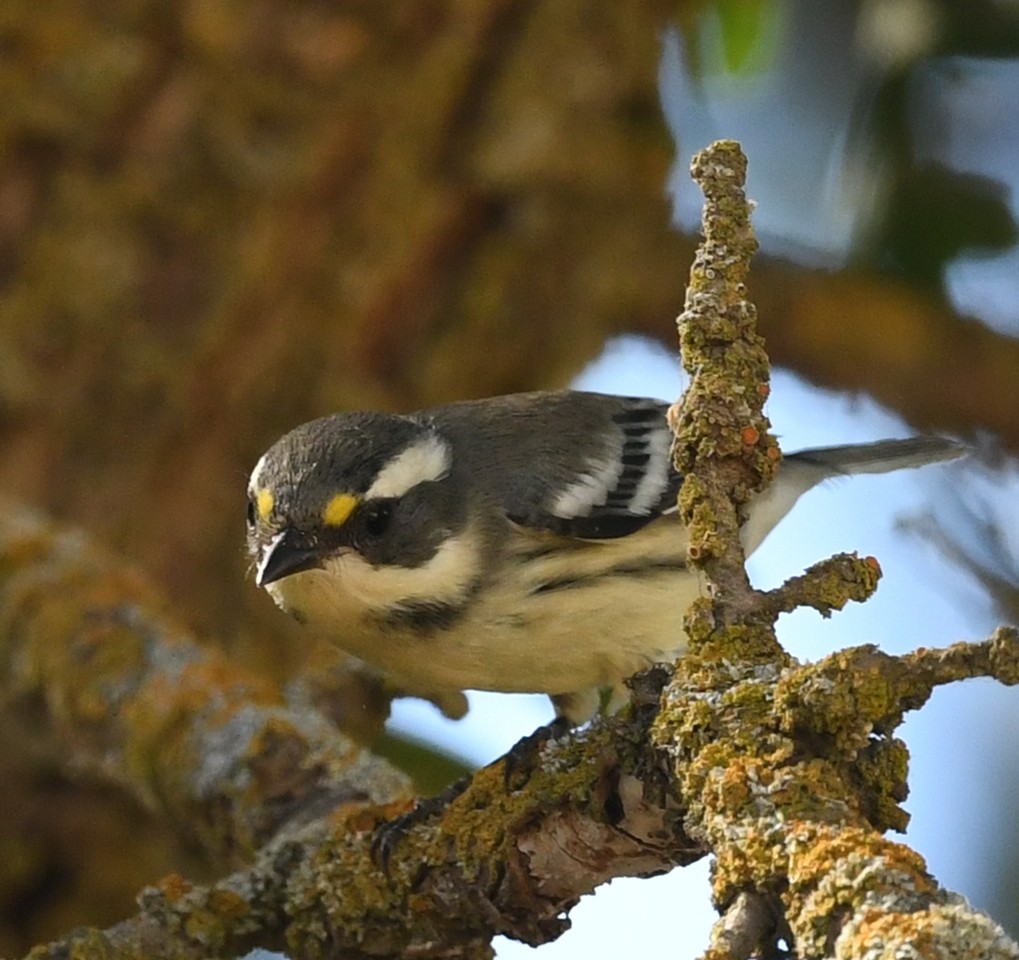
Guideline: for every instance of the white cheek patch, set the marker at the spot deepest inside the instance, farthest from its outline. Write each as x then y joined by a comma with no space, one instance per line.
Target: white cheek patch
347,588
424,460
446,578
591,490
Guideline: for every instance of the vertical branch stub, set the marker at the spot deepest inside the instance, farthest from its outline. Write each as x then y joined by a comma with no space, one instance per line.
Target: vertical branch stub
723,446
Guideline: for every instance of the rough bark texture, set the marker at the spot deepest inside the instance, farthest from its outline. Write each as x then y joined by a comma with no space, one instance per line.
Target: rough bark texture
794,819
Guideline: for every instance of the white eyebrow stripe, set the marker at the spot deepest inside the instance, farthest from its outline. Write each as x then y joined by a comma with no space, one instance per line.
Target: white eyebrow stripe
256,473
424,460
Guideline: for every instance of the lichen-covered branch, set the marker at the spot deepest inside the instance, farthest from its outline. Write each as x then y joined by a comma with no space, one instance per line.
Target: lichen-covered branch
790,774
499,861
501,858
825,586
723,447
130,698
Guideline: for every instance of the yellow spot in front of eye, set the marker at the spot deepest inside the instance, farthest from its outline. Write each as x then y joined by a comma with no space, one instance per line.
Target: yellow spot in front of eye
338,510
264,500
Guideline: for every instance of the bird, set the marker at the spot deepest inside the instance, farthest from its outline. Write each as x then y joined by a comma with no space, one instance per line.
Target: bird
519,543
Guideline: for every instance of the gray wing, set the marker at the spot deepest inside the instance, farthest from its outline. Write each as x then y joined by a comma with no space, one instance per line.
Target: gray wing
582,465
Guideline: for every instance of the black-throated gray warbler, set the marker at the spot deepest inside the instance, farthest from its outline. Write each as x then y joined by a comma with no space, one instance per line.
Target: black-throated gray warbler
519,543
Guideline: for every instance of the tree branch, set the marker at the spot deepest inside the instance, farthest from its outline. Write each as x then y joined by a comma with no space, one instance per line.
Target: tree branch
790,799
231,766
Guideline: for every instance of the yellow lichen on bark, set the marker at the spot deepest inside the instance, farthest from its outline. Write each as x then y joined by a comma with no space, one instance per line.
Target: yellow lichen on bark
788,773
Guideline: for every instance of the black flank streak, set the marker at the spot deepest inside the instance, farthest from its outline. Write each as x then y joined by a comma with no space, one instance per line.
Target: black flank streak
537,553
601,526
563,583
646,569
636,569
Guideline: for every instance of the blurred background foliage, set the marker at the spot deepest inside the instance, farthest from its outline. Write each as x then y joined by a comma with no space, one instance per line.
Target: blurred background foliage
221,218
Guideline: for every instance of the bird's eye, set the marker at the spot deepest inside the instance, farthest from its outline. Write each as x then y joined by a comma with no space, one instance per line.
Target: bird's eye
377,520
251,512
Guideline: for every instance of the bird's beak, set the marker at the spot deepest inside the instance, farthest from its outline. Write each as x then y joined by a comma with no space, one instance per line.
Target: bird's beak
289,552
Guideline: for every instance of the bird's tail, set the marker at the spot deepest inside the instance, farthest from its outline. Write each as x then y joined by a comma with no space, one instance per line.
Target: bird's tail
882,456
806,468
